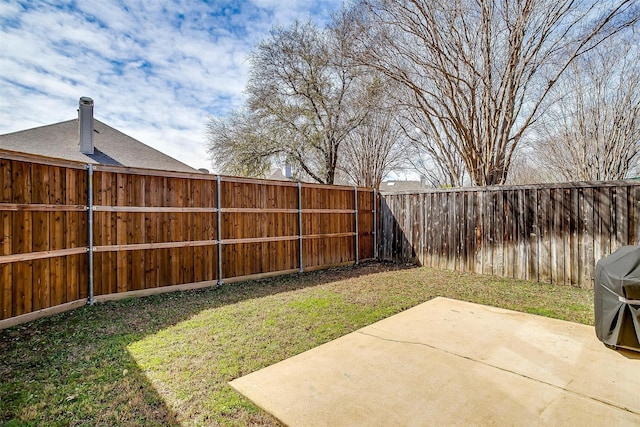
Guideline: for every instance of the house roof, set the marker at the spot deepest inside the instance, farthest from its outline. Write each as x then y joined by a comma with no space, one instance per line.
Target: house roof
397,186
276,174
111,147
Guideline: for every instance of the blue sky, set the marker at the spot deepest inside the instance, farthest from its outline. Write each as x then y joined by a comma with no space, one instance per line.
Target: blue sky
155,69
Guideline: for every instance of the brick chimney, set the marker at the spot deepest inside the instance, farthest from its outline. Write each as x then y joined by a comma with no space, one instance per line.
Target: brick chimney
85,125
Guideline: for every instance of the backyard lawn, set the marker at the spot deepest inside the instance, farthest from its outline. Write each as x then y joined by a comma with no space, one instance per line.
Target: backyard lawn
166,359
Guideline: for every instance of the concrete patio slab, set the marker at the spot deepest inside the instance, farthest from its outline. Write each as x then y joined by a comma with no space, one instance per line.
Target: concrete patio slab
447,362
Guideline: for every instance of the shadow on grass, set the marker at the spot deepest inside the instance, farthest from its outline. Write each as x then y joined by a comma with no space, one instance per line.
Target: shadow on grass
74,368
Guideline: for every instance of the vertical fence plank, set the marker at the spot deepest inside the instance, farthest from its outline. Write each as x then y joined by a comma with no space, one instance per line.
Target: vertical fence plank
452,254
479,232
574,225
137,230
422,231
605,204
534,234
544,241
109,259
57,237
621,218
22,239
430,223
98,238
499,224
470,232
122,264
587,231
557,237
6,240
522,262
152,232
83,265
197,231
636,216
75,234
567,233
508,239
41,284
488,230
460,252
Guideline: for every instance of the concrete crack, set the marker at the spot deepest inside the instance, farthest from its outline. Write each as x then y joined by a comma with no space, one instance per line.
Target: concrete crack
462,356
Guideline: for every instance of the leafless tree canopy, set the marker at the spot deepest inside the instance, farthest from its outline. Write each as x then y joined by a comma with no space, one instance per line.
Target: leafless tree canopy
373,148
593,133
478,72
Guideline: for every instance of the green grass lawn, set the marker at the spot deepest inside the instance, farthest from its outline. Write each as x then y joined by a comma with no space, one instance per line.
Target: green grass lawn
167,359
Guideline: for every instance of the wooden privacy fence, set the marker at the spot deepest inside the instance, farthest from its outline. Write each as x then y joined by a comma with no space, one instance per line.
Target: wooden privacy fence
73,232
547,233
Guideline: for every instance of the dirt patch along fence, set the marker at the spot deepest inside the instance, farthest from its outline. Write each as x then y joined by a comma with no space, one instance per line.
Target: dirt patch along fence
547,233
145,231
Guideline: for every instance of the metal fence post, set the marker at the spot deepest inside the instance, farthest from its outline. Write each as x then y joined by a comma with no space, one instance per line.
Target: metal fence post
300,225
90,231
219,217
355,189
375,224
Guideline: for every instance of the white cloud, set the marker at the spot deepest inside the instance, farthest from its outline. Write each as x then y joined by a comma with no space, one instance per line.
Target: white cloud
156,70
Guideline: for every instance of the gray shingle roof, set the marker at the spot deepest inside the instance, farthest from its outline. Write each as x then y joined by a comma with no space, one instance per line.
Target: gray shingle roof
399,186
111,147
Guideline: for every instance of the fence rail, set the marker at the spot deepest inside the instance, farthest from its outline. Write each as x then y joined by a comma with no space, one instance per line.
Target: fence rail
154,229
547,233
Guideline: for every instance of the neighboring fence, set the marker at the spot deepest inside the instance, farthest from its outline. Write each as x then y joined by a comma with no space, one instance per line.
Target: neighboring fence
547,233
152,229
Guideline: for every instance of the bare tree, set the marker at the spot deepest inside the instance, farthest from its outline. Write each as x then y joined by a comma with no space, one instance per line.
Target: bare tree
593,133
479,71
527,168
432,157
300,87
373,148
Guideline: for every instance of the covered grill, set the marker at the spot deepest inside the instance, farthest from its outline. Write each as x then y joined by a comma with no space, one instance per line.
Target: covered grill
617,298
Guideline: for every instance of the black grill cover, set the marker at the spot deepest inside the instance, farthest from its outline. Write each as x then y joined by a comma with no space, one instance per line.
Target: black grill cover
617,298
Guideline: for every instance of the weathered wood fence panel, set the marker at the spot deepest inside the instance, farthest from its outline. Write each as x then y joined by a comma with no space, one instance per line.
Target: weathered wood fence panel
155,229
547,233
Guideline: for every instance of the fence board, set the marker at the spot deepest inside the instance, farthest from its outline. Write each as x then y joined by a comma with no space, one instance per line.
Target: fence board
22,238
621,218
479,241
636,212
591,234
603,207
557,236
534,234
522,261
574,258
41,268
499,245
567,233
470,234
72,235
452,231
487,229
6,239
